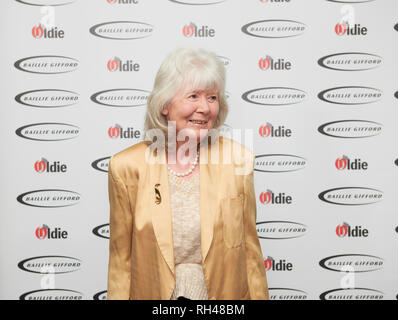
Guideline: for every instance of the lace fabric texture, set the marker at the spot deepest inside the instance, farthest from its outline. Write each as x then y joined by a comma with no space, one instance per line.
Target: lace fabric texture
185,202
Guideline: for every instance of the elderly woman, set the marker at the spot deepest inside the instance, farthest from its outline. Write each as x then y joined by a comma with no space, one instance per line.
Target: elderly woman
184,226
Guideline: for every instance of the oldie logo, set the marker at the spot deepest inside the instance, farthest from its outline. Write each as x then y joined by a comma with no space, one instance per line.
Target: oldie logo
122,30
122,1
50,264
352,95
48,98
41,32
44,232
47,64
269,197
351,196
351,129
275,96
118,65
287,294
274,28
52,3
271,264
192,30
52,294
280,230
101,164
352,294
118,132
44,165
102,231
49,198
197,2
345,29
345,163
358,263
270,131
279,163
48,131
269,63
121,97
344,230
351,61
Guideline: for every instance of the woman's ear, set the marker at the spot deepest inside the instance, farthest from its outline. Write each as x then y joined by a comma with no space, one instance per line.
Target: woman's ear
165,109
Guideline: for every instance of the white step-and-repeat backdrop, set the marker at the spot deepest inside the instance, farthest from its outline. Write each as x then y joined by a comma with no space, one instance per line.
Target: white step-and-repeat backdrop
315,81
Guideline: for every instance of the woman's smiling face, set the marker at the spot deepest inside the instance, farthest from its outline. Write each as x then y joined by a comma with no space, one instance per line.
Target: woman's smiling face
193,109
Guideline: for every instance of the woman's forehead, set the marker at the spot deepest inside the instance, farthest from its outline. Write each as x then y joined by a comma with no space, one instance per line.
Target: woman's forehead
190,88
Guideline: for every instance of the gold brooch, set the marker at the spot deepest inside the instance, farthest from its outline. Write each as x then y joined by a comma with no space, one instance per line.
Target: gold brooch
157,194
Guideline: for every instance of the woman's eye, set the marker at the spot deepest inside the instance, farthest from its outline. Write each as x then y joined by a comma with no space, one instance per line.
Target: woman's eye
213,98
194,96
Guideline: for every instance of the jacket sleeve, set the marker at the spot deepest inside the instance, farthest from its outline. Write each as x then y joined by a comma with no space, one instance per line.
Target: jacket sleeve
257,280
120,225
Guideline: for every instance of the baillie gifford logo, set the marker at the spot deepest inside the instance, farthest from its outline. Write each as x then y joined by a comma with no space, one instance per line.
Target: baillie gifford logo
344,29
269,63
116,64
44,232
269,197
41,32
269,131
346,231
345,163
271,265
118,132
44,165
192,30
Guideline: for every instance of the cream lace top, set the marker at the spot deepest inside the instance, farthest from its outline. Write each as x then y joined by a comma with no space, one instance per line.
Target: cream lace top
185,201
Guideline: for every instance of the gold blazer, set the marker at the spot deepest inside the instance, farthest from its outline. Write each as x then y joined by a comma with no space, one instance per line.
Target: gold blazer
141,257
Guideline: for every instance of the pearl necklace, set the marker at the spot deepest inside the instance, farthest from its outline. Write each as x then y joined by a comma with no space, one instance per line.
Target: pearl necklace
182,174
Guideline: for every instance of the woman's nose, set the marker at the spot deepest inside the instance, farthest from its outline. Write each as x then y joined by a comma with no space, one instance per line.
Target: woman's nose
203,104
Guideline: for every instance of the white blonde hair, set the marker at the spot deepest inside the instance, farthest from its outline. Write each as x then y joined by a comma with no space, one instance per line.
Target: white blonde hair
198,68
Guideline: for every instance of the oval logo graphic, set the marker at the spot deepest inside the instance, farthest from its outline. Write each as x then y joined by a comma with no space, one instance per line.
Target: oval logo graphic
274,28
101,164
122,30
102,295
279,163
351,196
48,98
274,96
48,131
52,294
287,294
350,1
280,230
355,262
197,2
352,294
49,198
351,61
47,64
102,231
50,264
226,61
352,95
121,97
46,2
350,129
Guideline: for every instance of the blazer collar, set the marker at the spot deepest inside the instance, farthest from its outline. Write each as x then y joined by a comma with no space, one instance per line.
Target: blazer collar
161,209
